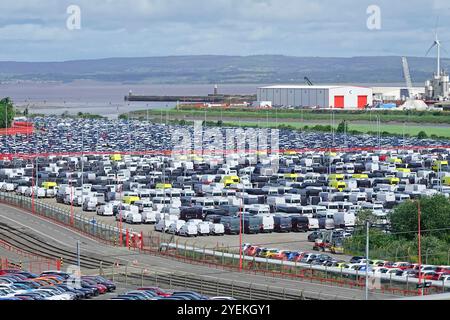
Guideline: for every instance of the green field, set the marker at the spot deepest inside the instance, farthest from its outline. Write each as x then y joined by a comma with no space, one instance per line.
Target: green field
433,123
412,130
429,117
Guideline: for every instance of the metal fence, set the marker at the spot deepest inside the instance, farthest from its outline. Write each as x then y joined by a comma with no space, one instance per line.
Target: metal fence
34,265
89,227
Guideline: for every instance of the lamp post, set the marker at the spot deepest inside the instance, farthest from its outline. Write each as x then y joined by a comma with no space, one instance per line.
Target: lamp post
420,249
367,258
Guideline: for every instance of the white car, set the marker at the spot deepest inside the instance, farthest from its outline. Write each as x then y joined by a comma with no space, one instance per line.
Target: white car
149,217
134,218
188,230
203,229
217,229
175,227
163,225
105,210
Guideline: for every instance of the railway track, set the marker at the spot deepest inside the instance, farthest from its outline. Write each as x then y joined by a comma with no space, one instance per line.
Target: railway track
33,245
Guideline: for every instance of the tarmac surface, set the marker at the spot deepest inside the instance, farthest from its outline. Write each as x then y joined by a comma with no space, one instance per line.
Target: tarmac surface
66,238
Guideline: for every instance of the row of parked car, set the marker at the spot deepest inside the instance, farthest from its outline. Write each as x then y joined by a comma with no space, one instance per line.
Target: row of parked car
377,267
50,285
61,135
155,293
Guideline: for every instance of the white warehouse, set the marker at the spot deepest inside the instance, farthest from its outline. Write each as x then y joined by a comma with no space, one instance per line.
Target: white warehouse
341,97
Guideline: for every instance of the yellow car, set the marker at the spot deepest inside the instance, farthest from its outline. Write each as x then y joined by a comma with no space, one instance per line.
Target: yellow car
438,164
49,185
228,180
395,160
130,199
342,265
446,181
336,176
115,157
290,153
404,170
360,176
394,181
340,185
271,254
163,186
292,176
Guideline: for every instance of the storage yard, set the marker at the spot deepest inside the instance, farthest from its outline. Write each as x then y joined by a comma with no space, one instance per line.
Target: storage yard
303,212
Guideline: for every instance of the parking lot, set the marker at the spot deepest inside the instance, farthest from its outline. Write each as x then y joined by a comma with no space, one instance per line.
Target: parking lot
59,135
202,199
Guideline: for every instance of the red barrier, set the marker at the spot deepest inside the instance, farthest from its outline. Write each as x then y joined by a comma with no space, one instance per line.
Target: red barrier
127,239
18,128
206,152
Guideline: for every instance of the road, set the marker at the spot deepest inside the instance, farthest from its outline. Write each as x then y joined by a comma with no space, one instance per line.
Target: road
52,233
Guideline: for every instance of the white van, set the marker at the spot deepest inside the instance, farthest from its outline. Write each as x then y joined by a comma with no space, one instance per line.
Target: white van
134,218
163,225
217,229
148,217
175,226
90,204
344,219
203,229
313,224
268,223
144,205
188,230
160,202
105,210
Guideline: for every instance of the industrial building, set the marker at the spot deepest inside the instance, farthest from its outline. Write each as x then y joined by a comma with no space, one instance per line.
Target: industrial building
340,97
397,93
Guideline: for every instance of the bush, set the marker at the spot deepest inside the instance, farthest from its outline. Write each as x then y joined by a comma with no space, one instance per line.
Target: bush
422,135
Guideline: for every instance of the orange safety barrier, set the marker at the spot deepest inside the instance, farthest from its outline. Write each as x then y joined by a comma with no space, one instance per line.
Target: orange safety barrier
18,128
207,152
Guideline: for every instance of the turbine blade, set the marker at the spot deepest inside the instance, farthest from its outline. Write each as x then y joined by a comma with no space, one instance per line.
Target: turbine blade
432,46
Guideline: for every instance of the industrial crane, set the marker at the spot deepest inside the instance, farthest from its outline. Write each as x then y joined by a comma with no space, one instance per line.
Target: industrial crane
308,81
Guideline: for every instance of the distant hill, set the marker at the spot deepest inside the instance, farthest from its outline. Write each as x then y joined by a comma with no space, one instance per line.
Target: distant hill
224,69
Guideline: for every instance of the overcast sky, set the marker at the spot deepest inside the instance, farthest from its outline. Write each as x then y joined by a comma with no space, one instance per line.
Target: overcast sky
35,30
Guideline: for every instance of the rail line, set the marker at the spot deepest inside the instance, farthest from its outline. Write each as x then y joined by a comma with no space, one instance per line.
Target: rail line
34,245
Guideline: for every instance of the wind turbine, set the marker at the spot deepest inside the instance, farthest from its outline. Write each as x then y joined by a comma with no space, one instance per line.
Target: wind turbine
436,43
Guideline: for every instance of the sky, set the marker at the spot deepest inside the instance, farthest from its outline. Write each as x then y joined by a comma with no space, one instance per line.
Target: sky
36,30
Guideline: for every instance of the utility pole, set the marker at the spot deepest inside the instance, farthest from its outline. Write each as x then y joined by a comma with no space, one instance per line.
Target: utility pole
82,164
420,249
367,258
78,254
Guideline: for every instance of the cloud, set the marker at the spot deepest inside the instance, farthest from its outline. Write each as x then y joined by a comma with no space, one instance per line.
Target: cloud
36,30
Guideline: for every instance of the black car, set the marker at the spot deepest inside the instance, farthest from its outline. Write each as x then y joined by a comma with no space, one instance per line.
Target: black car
312,237
100,280
356,259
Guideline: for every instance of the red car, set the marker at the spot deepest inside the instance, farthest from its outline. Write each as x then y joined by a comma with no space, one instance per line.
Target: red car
402,265
428,275
445,269
251,251
101,288
157,290
8,271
